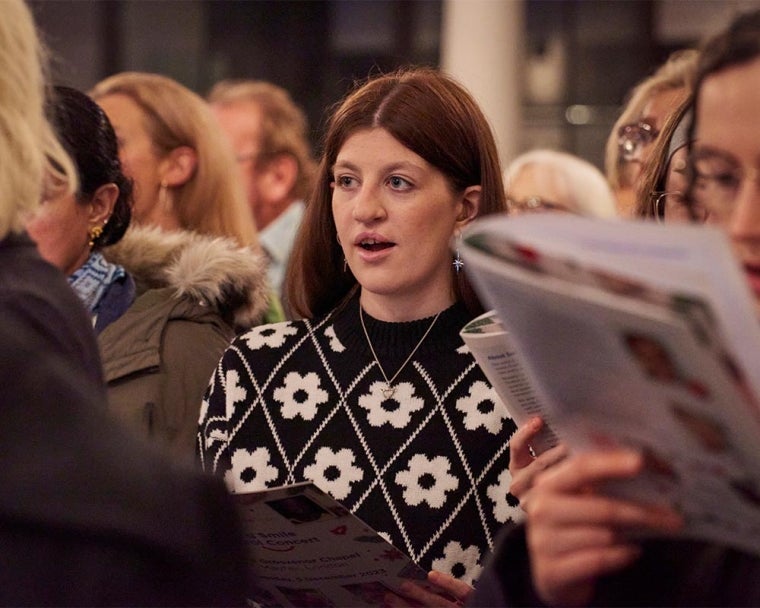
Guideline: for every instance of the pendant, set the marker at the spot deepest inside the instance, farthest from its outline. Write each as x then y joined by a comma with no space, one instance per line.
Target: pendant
388,391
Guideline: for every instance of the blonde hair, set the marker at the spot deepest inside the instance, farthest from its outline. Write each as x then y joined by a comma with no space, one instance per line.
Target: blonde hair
212,201
284,127
678,72
584,186
29,150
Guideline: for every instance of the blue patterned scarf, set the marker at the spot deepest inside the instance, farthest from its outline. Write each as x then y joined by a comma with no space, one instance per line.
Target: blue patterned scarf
92,280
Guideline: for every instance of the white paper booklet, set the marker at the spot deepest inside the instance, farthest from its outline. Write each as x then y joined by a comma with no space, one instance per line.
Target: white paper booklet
637,334
306,549
496,354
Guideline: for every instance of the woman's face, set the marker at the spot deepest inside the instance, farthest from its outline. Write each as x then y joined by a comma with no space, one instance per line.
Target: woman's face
139,157
60,227
728,148
395,215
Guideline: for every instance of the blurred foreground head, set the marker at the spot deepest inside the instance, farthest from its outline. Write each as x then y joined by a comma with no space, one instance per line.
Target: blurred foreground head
28,147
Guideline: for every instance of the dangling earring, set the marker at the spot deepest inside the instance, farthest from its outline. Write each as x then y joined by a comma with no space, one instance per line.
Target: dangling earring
345,264
94,233
457,263
163,198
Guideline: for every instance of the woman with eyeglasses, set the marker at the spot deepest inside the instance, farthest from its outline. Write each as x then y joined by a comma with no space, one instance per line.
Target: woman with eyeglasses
638,126
662,189
575,547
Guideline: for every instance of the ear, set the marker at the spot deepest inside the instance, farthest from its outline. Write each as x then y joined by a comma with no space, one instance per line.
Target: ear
178,166
279,176
102,204
469,206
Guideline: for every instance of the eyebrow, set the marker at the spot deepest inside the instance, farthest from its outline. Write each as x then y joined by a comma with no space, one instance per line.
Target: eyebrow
390,168
707,150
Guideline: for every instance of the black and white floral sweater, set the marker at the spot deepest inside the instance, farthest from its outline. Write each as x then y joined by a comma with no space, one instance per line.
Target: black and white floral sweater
427,468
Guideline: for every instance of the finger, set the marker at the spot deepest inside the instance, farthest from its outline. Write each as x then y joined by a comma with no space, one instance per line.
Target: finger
523,479
554,455
558,541
581,471
415,595
557,511
519,443
396,600
458,589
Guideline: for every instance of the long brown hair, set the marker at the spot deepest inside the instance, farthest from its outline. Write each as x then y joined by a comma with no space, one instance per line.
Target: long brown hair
433,116
654,174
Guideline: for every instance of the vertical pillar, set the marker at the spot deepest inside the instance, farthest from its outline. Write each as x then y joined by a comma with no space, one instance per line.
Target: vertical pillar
482,46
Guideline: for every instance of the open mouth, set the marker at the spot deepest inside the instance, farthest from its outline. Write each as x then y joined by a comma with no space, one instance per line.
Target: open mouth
373,245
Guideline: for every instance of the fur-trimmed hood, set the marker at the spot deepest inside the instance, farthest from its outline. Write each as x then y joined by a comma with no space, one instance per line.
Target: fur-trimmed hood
212,270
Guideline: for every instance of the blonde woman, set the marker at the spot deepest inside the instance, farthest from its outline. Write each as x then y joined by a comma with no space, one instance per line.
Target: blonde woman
183,169
650,103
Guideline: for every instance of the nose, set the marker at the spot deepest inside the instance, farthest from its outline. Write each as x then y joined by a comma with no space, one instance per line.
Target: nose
744,223
368,205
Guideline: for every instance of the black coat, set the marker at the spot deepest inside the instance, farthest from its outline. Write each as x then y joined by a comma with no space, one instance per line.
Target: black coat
90,515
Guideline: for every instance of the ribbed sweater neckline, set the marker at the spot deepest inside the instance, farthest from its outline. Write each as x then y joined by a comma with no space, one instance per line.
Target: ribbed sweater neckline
394,341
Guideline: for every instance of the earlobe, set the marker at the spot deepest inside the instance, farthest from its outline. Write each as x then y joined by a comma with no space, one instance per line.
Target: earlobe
179,166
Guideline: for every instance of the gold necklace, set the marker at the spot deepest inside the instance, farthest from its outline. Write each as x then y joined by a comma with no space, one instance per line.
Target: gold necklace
389,389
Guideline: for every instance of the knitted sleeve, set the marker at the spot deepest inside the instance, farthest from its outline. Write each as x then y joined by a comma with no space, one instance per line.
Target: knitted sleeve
235,389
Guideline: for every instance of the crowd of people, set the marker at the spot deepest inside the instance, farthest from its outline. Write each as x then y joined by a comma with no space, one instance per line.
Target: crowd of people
193,307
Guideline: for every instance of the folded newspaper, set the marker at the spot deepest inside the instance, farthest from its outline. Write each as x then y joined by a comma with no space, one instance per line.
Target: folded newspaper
307,549
631,334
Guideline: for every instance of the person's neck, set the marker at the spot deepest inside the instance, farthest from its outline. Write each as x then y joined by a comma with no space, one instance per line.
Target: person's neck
397,309
168,222
265,213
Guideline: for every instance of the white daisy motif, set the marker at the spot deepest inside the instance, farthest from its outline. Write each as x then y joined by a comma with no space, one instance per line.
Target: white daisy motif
385,536
300,395
250,470
482,407
273,335
503,510
233,392
334,472
459,562
396,410
427,480
335,344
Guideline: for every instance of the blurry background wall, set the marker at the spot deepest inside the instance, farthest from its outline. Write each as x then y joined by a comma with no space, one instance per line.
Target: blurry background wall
563,67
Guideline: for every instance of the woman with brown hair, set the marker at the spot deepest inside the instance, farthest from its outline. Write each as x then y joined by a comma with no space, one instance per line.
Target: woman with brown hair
372,395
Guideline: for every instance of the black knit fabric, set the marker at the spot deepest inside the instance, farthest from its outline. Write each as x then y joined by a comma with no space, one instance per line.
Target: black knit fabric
427,468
